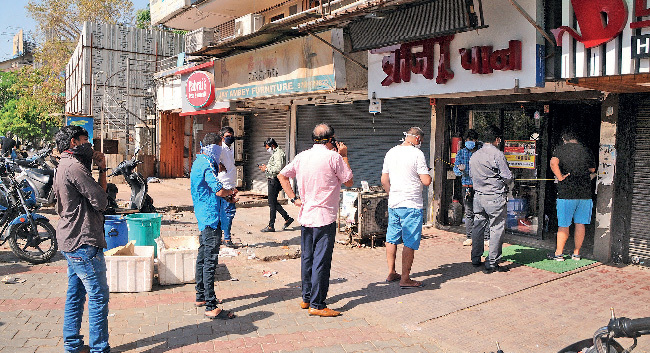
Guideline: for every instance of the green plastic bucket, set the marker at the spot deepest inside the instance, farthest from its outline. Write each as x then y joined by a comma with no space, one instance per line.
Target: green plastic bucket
144,228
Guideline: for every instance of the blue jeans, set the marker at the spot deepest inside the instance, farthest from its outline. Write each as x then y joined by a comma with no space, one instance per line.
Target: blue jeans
228,213
206,263
317,245
86,275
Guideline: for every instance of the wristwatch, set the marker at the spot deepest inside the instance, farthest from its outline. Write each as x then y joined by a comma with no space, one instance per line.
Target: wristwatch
293,200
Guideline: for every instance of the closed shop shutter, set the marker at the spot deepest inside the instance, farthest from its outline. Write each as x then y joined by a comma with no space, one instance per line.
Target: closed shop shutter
639,233
259,126
368,137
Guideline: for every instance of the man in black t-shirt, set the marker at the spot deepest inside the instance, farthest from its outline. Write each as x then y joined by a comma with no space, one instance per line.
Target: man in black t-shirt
574,167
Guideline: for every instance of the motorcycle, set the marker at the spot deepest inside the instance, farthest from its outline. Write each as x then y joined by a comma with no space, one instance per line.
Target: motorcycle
30,235
140,199
603,340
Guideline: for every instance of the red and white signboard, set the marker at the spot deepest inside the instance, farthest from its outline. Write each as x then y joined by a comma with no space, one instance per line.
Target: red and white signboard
199,89
505,55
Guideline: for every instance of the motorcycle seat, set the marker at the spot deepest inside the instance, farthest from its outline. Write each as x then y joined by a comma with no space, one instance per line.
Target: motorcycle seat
23,162
40,175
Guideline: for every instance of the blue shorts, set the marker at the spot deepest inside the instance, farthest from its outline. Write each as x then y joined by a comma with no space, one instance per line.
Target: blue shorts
404,226
578,210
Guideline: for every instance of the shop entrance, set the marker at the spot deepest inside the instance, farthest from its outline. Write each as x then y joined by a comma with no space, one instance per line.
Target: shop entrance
531,133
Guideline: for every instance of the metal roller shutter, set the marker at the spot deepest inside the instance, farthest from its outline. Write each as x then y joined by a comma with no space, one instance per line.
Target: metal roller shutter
639,233
368,137
259,126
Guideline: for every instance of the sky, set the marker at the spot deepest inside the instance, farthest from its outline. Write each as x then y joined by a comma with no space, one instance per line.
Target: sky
13,17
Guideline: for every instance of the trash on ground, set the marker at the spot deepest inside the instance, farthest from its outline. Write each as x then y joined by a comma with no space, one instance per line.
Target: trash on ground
269,273
12,280
234,279
228,252
251,256
153,180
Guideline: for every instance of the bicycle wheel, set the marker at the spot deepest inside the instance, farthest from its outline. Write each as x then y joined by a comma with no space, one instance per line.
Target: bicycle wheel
32,248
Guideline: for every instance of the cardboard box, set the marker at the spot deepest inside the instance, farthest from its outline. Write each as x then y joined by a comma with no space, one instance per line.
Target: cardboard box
177,259
130,273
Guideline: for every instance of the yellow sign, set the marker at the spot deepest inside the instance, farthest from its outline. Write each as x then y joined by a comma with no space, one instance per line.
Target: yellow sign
520,153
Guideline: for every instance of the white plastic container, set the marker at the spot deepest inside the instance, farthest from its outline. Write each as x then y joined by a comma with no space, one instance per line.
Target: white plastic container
177,259
131,273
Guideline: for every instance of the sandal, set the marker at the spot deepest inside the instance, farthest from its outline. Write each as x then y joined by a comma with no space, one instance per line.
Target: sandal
394,278
222,315
416,285
201,304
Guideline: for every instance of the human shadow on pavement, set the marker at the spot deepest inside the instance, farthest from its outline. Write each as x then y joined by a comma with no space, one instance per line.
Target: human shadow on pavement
378,291
195,333
272,244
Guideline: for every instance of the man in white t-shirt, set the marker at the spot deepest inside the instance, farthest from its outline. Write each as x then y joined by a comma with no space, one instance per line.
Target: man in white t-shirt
404,173
228,178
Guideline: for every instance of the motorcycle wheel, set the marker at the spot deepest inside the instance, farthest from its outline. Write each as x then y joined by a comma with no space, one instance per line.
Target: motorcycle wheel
35,250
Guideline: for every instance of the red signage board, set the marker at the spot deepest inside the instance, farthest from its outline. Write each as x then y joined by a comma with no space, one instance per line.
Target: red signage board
199,89
602,20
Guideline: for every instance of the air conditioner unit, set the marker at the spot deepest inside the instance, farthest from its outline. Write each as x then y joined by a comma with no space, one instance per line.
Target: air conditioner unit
365,213
239,150
200,39
240,176
236,122
248,24
373,214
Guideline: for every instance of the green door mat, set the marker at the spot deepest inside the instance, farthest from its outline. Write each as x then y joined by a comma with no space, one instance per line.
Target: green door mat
536,258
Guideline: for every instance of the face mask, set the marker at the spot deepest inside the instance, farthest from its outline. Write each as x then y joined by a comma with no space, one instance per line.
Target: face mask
470,145
269,150
228,140
212,151
84,153
419,145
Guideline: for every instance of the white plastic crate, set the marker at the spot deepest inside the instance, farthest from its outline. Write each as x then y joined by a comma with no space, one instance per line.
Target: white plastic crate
132,273
177,259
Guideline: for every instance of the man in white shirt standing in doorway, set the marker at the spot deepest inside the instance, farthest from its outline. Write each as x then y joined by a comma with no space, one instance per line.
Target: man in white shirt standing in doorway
404,173
228,178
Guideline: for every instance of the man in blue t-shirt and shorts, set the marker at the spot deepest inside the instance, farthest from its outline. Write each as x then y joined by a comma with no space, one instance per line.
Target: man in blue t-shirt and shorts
574,167
404,173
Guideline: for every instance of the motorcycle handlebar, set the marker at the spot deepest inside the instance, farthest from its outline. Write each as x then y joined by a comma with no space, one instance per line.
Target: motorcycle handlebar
624,327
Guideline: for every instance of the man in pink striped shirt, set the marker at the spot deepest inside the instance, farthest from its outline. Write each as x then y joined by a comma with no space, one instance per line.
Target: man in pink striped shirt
319,172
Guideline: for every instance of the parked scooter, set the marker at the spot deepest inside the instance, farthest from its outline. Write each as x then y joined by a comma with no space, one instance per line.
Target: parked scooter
38,174
140,199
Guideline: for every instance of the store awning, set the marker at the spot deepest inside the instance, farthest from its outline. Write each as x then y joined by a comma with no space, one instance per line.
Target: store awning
634,83
415,22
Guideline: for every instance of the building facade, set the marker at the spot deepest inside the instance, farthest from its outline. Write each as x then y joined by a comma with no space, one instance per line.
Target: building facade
375,68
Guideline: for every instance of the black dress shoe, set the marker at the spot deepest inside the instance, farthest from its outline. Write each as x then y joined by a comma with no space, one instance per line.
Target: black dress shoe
268,229
495,268
477,264
287,223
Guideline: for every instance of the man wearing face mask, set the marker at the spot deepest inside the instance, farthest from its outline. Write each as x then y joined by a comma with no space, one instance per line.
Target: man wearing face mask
227,177
272,169
491,176
461,168
403,175
80,202
208,197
